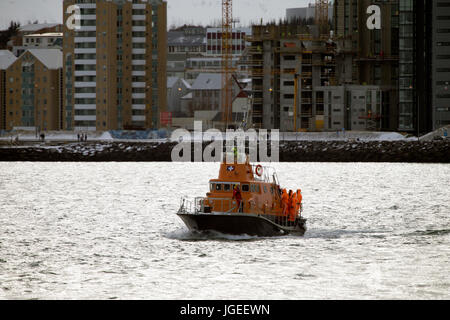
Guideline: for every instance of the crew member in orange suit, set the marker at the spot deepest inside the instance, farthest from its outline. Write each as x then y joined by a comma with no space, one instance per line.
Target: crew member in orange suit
238,197
285,202
292,206
299,199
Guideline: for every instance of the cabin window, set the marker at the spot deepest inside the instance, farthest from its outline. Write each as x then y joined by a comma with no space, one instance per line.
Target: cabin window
265,189
218,187
245,188
258,189
226,187
212,186
252,188
271,190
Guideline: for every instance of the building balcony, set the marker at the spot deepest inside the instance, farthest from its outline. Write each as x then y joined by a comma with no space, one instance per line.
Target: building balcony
85,107
85,84
138,17
85,62
138,107
87,5
88,17
85,118
138,118
85,95
85,39
138,40
139,29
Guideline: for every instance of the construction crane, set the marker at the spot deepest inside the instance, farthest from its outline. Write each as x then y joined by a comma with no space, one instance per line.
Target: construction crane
227,61
321,10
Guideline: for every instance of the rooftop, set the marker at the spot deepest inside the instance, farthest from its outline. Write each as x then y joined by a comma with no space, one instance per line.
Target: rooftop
7,58
50,34
37,27
208,81
180,38
51,58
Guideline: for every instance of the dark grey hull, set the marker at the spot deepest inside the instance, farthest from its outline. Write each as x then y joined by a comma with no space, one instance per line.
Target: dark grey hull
239,224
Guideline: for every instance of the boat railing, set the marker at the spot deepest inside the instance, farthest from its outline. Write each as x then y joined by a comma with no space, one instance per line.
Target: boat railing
229,205
186,206
268,175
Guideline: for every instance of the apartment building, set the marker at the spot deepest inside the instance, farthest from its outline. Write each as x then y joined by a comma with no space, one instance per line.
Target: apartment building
30,29
184,43
33,95
50,40
238,36
115,65
7,58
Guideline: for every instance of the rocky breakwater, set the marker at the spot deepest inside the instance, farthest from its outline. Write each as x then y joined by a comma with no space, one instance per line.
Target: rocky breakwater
301,151
374,151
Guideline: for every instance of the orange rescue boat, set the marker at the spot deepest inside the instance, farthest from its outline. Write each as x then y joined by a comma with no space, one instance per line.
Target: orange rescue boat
245,199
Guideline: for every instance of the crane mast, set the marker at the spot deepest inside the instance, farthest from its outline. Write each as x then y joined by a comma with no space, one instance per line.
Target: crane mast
227,61
321,10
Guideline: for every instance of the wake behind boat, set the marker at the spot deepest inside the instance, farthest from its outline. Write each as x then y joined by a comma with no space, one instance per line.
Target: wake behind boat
245,199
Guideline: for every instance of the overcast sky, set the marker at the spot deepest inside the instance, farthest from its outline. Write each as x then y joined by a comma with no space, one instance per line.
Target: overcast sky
179,11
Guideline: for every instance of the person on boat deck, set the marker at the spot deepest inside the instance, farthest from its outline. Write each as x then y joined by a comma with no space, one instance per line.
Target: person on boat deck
235,152
292,206
299,199
285,202
238,196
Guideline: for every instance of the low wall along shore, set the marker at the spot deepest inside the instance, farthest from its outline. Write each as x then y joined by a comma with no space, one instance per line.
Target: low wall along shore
292,151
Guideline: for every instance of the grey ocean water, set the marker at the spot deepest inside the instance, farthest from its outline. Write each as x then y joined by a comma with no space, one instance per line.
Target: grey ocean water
109,231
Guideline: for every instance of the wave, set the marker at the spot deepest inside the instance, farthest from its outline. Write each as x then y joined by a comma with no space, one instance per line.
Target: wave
442,232
189,235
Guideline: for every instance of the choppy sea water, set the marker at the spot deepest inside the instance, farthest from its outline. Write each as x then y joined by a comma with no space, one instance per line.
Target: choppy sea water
109,231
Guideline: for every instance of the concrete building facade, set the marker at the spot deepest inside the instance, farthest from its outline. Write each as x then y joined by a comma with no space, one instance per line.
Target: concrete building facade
424,65
351,107
440,64
283,59
115,65
369,56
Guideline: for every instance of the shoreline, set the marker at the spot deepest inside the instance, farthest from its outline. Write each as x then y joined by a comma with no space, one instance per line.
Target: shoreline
292,151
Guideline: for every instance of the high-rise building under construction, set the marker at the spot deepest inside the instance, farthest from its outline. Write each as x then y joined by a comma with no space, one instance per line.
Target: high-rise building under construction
408,55
369,56
115,54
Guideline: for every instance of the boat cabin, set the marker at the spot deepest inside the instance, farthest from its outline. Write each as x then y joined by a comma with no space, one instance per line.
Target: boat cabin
258,186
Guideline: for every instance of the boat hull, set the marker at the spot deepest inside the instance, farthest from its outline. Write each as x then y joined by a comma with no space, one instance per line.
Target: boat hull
239,224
